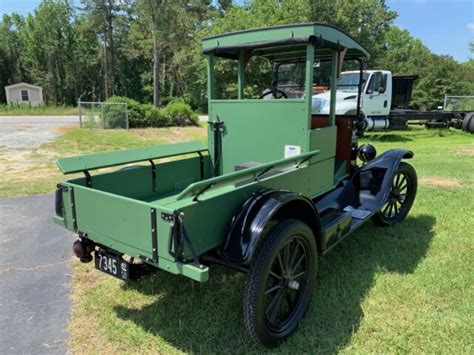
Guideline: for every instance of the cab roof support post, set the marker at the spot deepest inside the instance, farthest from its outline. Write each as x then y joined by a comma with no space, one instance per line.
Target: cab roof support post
241,77
308,82
332,103
210,77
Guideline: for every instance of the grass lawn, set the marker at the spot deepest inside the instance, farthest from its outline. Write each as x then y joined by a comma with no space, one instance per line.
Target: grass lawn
42,110
407,288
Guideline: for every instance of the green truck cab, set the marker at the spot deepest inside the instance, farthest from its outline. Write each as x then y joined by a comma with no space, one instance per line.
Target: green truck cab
275,188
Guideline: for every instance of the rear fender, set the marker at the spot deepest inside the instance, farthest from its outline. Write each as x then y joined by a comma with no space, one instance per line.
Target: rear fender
252,222
374,179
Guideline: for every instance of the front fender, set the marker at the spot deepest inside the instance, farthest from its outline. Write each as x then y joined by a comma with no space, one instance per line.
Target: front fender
374,179
249,224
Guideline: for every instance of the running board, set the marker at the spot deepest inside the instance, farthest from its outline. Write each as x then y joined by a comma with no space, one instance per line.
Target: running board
339,224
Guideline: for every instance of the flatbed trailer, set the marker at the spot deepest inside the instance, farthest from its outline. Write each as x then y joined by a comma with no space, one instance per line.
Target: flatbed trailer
399,119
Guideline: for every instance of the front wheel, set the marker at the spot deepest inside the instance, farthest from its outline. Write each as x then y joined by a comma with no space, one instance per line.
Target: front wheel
280,282
401,197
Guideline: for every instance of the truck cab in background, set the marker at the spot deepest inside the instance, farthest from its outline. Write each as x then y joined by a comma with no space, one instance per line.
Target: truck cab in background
376,97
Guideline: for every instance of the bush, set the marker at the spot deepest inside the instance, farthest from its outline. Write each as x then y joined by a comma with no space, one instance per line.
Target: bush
114,116
154,116
136,114
179,113
176,113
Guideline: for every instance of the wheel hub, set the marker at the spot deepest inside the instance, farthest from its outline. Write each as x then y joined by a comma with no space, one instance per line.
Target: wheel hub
293,284
288,282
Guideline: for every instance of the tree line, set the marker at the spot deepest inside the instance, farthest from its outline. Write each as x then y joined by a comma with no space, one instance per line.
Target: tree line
150,50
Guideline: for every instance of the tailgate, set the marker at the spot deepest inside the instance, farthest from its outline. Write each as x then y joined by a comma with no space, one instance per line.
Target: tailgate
117,222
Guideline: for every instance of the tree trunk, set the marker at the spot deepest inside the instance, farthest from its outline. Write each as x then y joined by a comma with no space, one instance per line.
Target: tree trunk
156,62
54,88
163,75
110,30
106,68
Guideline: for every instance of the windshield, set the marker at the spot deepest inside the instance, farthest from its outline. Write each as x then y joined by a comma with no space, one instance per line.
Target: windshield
350,81
291,79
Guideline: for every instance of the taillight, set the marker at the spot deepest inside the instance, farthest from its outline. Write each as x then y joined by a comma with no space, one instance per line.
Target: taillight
83,249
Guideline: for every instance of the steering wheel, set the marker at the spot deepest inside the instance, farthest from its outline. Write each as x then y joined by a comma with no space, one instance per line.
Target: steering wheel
274,93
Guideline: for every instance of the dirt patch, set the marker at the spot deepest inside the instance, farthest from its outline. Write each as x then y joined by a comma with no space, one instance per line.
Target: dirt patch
18,161
63,129
465,150
439,182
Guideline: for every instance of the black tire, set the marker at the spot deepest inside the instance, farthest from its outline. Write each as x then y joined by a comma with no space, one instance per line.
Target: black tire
468,122
401,197
277,297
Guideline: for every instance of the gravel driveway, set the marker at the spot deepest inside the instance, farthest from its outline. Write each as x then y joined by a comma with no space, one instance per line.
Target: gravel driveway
18,132
34,277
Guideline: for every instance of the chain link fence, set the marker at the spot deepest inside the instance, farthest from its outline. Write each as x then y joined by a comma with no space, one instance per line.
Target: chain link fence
458,103
105,115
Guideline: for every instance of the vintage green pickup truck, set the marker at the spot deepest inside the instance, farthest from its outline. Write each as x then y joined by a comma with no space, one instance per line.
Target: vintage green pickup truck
275,188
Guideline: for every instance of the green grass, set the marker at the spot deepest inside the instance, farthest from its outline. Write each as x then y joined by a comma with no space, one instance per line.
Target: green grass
406,288
42,110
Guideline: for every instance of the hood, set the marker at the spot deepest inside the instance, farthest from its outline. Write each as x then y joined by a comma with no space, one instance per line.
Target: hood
340,95
321,101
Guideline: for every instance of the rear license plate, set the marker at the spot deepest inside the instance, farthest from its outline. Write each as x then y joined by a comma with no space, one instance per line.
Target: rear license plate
112,265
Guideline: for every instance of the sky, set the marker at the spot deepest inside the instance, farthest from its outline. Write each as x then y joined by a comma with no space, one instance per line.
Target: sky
445,26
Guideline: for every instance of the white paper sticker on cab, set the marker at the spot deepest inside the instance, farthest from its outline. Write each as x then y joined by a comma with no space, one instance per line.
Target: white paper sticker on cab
292,150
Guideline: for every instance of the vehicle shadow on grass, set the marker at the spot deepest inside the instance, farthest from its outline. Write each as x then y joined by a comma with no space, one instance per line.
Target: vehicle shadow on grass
207,317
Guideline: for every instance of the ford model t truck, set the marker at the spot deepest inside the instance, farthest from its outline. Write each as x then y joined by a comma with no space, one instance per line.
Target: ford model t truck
275,188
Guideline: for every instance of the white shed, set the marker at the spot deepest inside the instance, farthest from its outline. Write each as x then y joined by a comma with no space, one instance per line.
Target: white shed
23,93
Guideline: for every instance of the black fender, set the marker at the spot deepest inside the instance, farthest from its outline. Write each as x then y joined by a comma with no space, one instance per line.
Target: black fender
374,179
249,225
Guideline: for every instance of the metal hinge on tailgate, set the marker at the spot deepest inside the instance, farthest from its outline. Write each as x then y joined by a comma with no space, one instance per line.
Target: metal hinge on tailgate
178,237
154,235
154,239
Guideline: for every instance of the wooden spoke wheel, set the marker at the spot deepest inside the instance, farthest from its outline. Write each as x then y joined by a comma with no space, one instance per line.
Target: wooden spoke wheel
280,282
401,197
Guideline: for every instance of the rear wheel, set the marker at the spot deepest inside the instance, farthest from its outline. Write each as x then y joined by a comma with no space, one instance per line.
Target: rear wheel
468,122
401,197
280,282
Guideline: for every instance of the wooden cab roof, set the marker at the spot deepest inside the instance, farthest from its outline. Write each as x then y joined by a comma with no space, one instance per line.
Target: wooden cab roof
284,42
